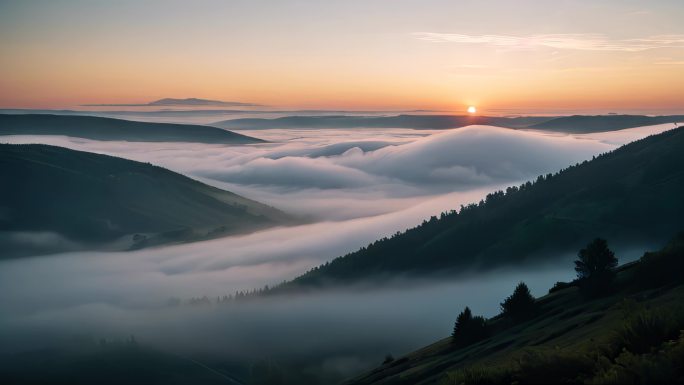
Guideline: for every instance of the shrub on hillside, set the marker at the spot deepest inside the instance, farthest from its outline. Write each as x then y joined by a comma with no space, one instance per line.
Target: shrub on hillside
648,329
664,366
560,286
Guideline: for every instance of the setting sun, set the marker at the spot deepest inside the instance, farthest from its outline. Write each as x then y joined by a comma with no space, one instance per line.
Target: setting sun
472,110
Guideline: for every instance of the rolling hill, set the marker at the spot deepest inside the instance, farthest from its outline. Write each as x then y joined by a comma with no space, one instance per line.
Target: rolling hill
91,127
632,196
91,201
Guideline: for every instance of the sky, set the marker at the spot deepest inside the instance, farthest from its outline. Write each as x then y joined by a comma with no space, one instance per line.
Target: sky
501,56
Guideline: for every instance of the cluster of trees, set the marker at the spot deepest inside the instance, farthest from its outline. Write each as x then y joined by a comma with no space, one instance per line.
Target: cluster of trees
595,267
517,307
229,298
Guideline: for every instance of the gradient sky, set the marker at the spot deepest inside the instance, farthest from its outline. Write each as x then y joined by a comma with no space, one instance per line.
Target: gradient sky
526,56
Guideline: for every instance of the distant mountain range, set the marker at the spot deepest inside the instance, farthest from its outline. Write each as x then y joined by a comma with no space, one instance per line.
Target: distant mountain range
171,102
91,127
94,201
436,122
569,124
585,124
345,120
632,196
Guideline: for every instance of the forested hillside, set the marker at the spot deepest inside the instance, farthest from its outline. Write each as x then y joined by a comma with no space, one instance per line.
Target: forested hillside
630,195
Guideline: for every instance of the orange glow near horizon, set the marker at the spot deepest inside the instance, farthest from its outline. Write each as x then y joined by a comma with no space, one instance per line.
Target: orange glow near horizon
69,84
295,62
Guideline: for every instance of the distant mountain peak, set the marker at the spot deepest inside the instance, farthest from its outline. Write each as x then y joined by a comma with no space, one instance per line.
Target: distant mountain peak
196,102
187,102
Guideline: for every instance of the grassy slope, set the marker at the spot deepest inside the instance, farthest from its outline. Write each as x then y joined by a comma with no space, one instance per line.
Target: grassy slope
96,198
632,194
91,127
569,339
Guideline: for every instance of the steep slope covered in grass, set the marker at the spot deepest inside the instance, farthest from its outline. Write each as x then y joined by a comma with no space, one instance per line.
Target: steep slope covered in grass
635,334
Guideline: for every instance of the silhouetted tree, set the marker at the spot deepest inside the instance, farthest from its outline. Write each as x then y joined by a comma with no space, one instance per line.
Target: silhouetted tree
462,322
520,304
388,359
595,260
595,267
468,329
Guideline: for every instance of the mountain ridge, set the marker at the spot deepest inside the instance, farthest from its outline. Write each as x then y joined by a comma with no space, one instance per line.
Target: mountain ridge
100,128
565,124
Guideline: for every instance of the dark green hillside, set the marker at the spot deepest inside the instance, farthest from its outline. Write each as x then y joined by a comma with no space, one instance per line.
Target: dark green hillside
633,335
95,199
91,127
631,195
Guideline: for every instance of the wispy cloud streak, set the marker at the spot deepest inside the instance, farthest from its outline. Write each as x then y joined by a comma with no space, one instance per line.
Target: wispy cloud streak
582,42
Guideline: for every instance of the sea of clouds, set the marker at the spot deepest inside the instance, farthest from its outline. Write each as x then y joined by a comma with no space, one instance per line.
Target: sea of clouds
354,186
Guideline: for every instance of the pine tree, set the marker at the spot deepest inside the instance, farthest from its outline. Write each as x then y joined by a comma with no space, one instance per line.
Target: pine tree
462,321
468,328
520,304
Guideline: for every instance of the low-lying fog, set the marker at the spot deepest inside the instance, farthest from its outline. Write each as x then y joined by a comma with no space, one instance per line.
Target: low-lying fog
338,331
355,185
